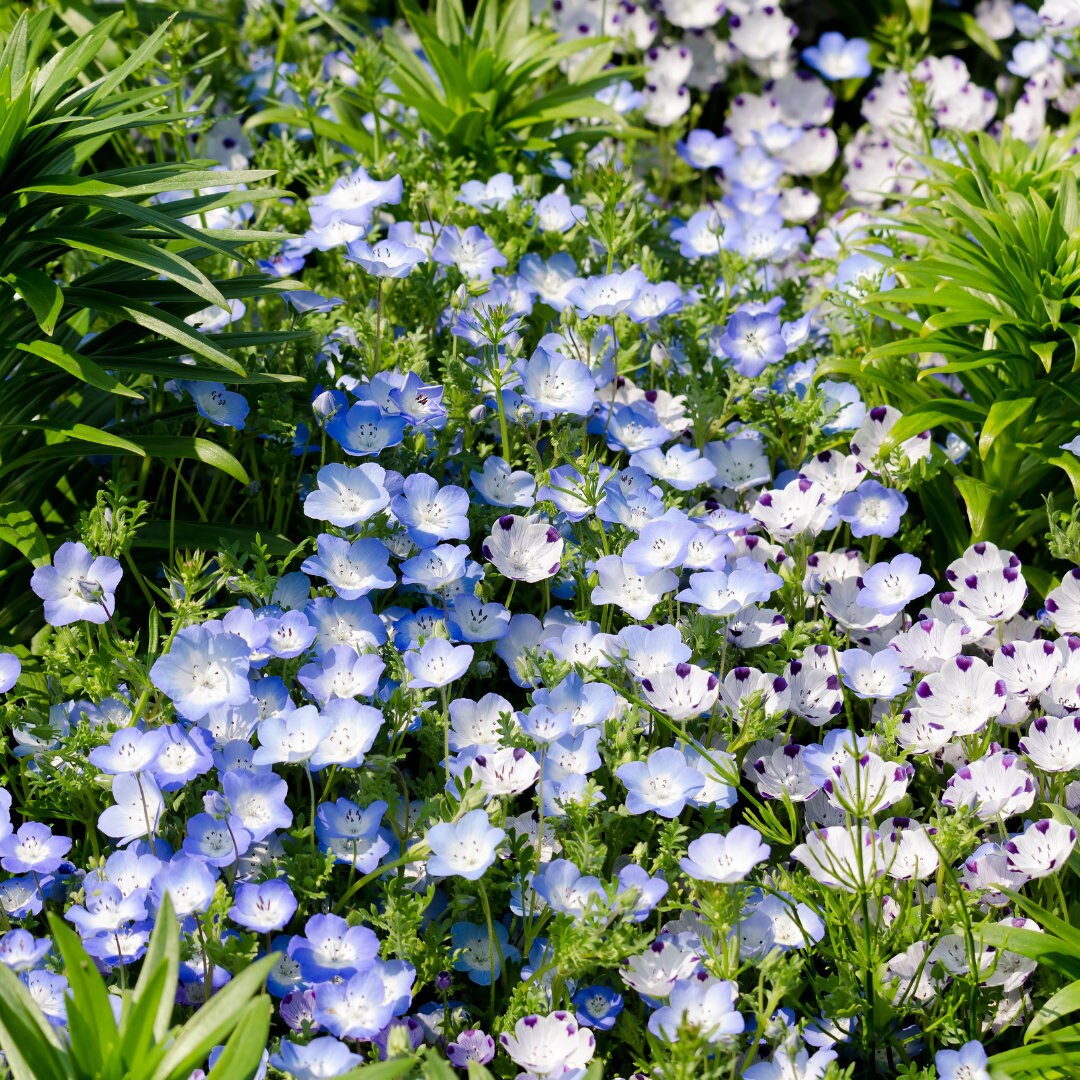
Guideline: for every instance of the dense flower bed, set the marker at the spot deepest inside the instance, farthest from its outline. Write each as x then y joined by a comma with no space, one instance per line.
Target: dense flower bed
594,692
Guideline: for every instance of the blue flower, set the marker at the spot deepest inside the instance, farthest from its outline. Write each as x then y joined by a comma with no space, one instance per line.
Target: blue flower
10,669
431,513
202,670
465,848
835,57
752,340
365,429
218,405
473,952
77,587
352,569
597,1007
320,1058
331,948
872,510
263,908
662,784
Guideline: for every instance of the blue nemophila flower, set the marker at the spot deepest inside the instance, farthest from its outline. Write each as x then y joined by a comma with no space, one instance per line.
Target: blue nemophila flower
263,908
437,663
522,549
889,587
344,622
365,429
419,404
213,402
386,259
352,570
473,252
470,619
872,510
256,801
836,57
597,1007
702,1003
438,569
464,848
556,385
792,1062
473,952
681,467
606,295
21,951
550,281
215,841
725,859
703,235
662,784
77,587
492,194
352,732
291,738
352,833
624,586
130,750
137,808
723,594
702,149
33,849
188,882
752,341
318,1059
10,669
431,513
353,198
630,427
967,1063
846,405
288,635
356,1008
50,993
331,948
204,668
555,213
498,485
346,495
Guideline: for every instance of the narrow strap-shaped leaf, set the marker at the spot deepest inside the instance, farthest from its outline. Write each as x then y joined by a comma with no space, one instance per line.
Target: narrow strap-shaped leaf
45,297
26,1037
82,367
242,1056
132,64
162,953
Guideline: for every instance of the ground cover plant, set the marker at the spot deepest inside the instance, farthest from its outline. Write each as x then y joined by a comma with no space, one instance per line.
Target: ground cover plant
539,540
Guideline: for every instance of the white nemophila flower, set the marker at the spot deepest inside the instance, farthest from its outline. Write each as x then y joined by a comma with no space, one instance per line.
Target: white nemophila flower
742,684
681,692
523,549
913,975
549,1046
799,508
996,785
963,695
779,771
725,858
844,858
508,771
907,849
1027,667
985,870
621,585
1053,743
1043,847
835,473
1063,604
865,784
929,644
813,692
873,675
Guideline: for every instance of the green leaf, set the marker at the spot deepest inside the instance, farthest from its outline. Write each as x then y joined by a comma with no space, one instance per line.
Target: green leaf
1002,414
162,954
42,294
196,449
90,1017
978,498
82,367
26,1037
19,529
393,1069
242,1056
213,1022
